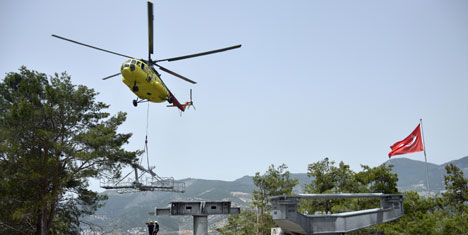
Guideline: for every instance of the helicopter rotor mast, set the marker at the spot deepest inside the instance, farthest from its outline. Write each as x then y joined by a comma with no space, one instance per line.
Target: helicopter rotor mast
150,30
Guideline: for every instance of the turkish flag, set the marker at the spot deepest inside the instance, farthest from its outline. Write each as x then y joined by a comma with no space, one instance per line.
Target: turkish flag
411,144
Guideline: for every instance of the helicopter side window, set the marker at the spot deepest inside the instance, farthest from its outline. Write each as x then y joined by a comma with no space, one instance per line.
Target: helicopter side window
142,66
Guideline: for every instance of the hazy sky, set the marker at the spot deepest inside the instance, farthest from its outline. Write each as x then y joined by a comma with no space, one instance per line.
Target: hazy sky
313,79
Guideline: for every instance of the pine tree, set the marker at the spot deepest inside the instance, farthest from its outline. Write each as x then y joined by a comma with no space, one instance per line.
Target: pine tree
54,136
456,186
274,182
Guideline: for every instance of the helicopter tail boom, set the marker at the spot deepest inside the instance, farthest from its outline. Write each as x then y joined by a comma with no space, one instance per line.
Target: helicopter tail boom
183,106
175,103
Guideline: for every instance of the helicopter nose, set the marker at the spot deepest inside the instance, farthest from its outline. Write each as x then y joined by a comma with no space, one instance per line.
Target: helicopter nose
128,67
125,70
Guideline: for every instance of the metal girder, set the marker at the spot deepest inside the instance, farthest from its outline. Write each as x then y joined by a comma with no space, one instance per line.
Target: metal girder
200,211
291,221
198,208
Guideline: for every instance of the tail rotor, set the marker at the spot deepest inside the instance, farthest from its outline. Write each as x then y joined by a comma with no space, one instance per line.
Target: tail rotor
191,101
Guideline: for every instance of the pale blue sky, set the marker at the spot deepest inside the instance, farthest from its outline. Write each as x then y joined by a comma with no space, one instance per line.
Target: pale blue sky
313,79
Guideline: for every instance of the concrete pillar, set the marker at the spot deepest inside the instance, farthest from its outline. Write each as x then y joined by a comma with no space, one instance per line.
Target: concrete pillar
200,225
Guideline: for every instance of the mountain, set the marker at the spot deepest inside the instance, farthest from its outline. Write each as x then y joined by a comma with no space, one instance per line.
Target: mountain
461,163
412,174
127,213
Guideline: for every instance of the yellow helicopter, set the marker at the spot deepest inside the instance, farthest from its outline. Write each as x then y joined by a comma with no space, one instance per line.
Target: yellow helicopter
141,76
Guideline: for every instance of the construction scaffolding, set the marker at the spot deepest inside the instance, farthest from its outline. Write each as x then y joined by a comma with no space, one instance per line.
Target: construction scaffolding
140,183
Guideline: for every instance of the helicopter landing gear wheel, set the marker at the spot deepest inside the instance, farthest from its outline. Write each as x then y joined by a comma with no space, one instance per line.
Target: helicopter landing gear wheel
135,103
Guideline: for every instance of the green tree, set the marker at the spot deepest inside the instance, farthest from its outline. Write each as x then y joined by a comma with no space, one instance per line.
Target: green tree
241,224
328,178
54,136
324,179
417,219
274,182
380,179
456,186
446,214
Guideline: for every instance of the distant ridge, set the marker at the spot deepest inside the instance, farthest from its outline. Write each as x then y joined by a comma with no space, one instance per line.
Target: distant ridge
462,163
412,173
130,211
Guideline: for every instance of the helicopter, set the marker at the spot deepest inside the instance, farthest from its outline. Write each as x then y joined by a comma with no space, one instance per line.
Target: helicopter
141,76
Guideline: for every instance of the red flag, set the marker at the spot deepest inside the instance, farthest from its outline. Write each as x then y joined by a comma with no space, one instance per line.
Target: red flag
411,144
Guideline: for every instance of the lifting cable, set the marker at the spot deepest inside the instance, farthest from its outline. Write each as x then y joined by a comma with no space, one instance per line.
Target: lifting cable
146,150
146,143
146,136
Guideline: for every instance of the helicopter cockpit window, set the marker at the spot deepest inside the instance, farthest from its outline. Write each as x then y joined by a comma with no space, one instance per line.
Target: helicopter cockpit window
132,65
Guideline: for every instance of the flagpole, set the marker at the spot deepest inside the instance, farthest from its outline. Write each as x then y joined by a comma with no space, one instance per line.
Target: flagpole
425,157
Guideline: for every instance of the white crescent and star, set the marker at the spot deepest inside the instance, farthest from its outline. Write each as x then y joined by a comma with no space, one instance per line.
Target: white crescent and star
411,144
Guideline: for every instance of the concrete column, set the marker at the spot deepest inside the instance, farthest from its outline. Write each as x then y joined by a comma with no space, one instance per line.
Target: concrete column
200,225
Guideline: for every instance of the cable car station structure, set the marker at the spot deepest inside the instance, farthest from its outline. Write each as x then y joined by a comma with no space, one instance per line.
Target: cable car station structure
285,214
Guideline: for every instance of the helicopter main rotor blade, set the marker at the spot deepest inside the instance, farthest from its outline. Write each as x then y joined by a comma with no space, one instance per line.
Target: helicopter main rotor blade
175,74
150,29
111,76
97,48
199,54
